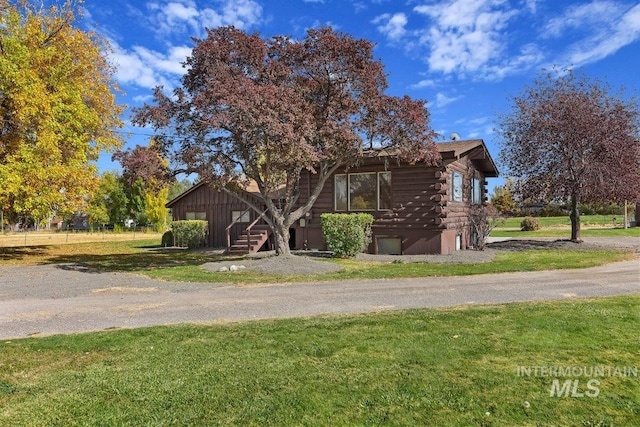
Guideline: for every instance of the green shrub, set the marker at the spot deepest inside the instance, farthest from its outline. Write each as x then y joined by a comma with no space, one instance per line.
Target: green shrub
529,224
167,239
346,234
192,233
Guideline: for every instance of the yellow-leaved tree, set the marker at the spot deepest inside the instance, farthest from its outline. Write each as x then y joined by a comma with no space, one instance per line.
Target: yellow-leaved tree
57,109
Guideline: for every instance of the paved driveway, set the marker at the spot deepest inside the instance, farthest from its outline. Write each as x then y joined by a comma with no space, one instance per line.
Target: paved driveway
46,300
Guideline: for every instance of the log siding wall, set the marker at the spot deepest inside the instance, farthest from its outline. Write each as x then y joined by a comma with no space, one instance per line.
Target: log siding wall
422,215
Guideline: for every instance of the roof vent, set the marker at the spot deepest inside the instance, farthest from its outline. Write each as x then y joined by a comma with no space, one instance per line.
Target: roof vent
455,136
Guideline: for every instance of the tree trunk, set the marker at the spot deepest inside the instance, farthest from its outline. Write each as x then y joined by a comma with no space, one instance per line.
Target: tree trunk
281,237
575,218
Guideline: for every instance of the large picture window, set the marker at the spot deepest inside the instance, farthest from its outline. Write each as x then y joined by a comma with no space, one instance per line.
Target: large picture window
366,191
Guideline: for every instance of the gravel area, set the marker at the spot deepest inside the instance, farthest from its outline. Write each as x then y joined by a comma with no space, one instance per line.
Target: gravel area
307,262
271,264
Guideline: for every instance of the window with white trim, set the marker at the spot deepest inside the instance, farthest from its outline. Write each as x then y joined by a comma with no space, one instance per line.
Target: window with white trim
476,191
362,191
456,187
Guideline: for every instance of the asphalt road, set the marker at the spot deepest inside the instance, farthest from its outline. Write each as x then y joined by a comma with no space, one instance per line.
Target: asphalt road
45,300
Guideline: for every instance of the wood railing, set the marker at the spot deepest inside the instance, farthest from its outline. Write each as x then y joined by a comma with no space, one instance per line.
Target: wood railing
247,230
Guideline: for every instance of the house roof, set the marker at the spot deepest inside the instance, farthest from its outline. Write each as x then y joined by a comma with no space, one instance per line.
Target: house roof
251,187
193,188
475,149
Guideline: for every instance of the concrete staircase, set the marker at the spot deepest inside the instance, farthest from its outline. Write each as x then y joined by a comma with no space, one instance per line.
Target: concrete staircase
250,242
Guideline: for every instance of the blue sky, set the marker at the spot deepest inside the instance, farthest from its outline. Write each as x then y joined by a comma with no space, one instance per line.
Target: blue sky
464,57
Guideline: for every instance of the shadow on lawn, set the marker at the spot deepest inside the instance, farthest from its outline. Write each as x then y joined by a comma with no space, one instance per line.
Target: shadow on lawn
21,252
131,263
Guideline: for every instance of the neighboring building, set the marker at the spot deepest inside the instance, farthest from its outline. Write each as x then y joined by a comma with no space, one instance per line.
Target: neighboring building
417,209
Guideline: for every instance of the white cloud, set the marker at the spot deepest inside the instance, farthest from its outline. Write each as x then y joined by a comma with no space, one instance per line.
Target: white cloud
184,16
604,27
392,26
170,63
443,100
147,68
465,36
532,5
578,16
423,84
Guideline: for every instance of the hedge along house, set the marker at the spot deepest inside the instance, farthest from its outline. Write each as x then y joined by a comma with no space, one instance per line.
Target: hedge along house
417,209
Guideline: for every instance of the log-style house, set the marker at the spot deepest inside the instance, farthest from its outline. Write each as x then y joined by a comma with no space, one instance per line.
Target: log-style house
417,209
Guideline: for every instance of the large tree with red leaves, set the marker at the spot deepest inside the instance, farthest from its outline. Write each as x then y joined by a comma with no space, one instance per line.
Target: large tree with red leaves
569,139
267,109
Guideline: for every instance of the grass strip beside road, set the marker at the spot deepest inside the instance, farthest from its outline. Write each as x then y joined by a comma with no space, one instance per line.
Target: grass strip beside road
565,233
144,257
445,367
529,260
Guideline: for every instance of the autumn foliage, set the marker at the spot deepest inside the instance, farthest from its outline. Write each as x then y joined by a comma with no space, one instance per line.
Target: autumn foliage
264,110
569,140
57,110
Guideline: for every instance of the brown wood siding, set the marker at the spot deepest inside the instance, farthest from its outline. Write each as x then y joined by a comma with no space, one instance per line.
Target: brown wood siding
456,214
422,215
218,206
416,216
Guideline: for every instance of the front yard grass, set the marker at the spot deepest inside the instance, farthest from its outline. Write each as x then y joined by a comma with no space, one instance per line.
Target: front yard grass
560,227
565,233
145,257
528,260
461,366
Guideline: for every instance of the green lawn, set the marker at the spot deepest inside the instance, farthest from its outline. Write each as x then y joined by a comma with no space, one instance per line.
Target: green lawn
560,227
529,260
440,367
565,233
145,257
557,221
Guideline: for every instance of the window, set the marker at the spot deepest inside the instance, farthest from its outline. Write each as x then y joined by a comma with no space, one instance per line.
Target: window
196,215
342,197
362,192
366,191
384,190
476,191
456,187
240,216
389,245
